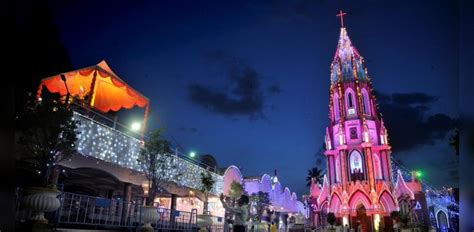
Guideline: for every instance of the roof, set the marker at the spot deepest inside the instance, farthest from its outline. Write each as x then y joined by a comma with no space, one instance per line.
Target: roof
105,89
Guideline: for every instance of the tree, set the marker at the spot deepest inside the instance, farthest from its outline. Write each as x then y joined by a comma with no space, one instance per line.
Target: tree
331,218
153,160
46,135
261,201
314,174
236,190
207,182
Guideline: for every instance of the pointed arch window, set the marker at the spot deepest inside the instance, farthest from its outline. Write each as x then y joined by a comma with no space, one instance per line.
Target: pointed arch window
349,98
366,102
356,166
377,167
350,102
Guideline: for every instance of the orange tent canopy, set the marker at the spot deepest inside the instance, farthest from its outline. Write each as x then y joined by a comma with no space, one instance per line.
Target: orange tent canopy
107,90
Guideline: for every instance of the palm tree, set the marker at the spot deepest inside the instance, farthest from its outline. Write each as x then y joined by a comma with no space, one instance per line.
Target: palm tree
314,174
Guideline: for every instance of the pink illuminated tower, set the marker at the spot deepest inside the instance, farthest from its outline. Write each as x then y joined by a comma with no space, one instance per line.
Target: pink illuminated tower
358,185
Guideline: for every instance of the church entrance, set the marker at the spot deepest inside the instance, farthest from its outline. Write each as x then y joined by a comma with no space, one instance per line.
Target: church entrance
362,219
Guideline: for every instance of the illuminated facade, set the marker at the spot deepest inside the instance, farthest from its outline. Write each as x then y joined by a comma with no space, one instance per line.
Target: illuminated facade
281,198
358,187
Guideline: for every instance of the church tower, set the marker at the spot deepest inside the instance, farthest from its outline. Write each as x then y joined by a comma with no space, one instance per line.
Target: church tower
358,187
357,149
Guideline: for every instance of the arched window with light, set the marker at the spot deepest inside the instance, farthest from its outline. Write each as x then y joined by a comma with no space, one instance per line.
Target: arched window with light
356,165
350,102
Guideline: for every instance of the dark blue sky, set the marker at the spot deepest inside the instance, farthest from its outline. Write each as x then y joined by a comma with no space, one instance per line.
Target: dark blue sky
248,82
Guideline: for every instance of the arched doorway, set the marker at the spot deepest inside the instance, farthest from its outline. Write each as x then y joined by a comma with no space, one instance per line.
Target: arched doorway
442,219
362,219
324,214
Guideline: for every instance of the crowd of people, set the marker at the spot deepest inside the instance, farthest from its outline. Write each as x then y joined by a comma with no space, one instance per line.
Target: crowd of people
242,222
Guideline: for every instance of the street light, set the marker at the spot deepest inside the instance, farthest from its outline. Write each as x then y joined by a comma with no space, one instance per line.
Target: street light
419,174
136,126
192,154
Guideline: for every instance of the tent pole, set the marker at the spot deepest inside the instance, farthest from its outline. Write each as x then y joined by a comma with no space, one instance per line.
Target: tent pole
68,94
93,89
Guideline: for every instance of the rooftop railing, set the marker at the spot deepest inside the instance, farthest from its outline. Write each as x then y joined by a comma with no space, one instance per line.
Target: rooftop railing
98,140
113,123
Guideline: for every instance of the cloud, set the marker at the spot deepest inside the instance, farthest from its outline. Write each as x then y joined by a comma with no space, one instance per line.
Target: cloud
244,96
409,121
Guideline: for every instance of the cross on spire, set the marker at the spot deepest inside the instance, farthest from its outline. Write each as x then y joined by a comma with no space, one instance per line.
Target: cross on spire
341,15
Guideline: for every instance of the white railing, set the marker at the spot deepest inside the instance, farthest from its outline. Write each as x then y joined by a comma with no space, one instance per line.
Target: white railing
84,211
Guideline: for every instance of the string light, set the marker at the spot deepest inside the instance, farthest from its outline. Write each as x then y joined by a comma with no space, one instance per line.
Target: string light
434,197
112,146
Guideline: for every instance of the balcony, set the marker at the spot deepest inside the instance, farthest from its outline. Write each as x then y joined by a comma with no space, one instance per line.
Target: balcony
102,139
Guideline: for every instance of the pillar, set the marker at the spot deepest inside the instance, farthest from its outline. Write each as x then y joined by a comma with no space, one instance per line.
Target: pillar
174,199
369,165
127,196
344,167
389,163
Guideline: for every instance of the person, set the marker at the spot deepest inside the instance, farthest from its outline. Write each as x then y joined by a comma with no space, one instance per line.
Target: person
241,212
338,227
273,227
346,228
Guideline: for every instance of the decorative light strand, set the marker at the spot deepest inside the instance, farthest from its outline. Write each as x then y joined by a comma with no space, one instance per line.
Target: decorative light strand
112,146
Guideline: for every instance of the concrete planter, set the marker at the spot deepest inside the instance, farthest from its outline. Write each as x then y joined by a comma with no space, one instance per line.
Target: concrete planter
204,220
41,200
149,214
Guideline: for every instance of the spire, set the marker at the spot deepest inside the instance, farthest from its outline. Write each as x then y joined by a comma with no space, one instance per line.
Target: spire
348,64
345,50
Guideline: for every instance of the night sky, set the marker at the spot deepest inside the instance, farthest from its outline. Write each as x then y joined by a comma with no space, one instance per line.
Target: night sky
248,82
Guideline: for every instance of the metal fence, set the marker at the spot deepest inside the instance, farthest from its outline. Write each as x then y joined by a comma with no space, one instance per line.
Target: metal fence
78,210
81,209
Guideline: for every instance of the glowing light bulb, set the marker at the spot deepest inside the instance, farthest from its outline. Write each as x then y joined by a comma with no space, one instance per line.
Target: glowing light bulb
136,126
